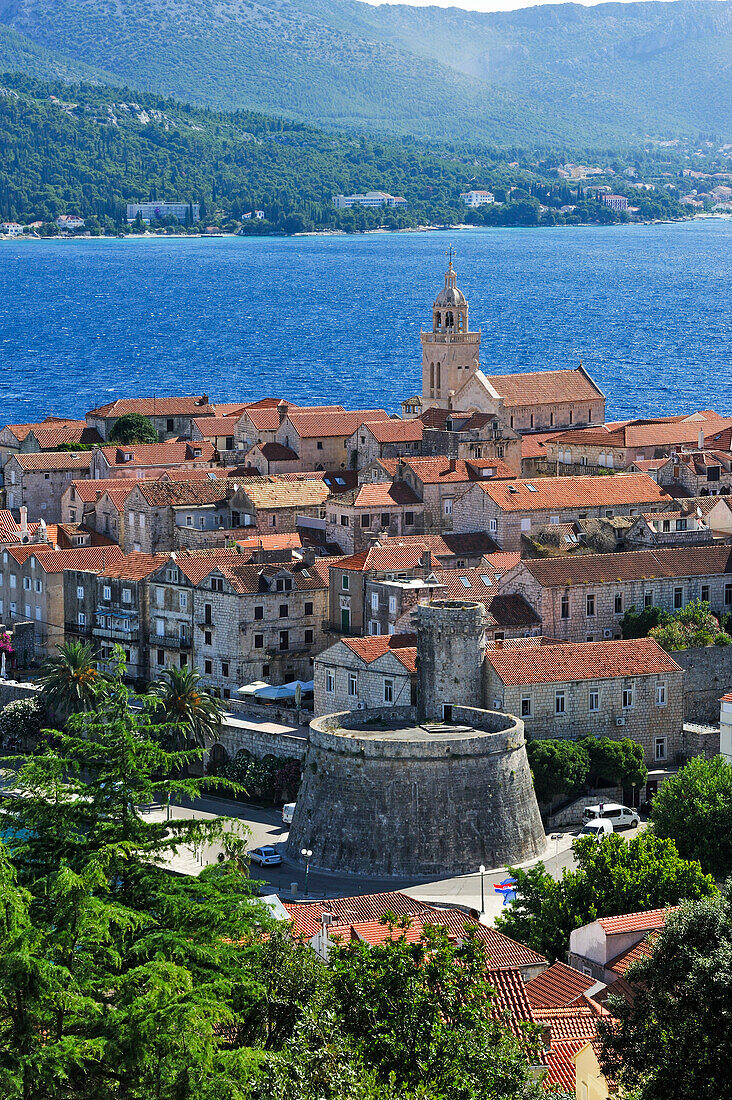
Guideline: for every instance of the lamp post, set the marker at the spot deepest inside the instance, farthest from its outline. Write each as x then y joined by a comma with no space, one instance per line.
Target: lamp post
307,854
556,837
482,890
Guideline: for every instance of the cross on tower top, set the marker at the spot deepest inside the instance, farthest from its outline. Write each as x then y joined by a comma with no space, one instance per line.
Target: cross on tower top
450,253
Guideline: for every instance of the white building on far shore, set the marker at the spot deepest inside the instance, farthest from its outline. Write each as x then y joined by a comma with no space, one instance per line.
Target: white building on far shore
477,198
150,211
11,229
371,199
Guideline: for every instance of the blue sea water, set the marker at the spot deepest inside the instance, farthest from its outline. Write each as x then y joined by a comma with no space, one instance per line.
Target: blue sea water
323,319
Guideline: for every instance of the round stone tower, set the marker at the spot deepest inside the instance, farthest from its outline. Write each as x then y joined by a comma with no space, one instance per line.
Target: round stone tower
383,794
450,654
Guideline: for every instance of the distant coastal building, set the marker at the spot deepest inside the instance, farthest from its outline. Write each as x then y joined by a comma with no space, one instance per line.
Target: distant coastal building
615,202
11,229
69,221
156,211
477,198
371,198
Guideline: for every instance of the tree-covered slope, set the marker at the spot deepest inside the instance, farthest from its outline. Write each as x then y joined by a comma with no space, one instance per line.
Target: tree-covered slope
566,73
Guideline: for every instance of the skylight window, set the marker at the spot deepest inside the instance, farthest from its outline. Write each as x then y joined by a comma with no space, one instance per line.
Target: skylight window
531,488
486,580
464,581
340,481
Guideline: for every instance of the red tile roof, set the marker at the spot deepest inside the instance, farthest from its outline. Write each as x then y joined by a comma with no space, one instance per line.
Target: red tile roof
365,907
159,454
323,425
53,460
571,1023
276,452
678,562
152,406
570,661
20,431
533,444
50,438
266,417
461,421
212,426
384,494
635,922
402,646
557,987
561,1069
390,557
133,567
395,431
544,387
621,963
440,470
574,492
502,561
92,559
176,494
197,564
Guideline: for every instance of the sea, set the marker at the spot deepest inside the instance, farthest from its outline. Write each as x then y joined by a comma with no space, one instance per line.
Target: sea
323,319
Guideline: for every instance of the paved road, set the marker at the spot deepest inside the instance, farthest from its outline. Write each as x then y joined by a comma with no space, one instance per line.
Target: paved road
264,826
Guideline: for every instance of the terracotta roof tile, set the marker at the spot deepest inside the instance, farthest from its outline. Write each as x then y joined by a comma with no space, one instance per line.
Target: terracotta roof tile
503,952
544,387
246,578
462,421
559,1060
502,561
159,454
314,425
570,661
212,426
634,922
21,431
133,567
276,452
276,492
468,545
395,431
384,494
266,417
93,559
557,987
573,492
621,962
570,1023
533,444
54,460
390,557
635,565
441,470
197,564
176,494
402,646
365,907
50,438
151,406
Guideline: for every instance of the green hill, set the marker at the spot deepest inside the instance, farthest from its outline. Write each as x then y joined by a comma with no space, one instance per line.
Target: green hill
589,76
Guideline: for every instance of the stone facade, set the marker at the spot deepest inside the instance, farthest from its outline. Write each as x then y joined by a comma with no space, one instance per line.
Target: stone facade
451,644
708,676
38,481
383,796
347,678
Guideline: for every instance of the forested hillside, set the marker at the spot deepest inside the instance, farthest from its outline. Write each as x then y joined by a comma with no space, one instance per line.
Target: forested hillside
90,149
590,76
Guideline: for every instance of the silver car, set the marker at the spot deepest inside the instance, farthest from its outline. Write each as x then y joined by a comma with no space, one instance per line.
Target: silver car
266,856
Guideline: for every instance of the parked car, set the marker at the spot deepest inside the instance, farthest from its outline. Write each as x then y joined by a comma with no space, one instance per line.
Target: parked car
266,856
621,817
287,812
598,827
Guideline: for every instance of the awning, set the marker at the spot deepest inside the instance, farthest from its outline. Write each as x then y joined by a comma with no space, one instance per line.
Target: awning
253,688
284,691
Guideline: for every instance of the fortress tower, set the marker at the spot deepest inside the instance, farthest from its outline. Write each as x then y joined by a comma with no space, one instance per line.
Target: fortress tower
450,352
451,648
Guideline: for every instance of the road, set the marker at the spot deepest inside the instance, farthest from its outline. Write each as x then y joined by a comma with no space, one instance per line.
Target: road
265,826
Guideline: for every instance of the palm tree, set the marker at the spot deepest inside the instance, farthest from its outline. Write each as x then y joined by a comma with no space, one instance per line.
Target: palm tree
195,714
71,681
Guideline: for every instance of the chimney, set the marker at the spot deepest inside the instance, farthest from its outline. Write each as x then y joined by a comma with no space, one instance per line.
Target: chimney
452,466
426,561
308,555
499,643
700,441
282,408
23,523
399,475
204,399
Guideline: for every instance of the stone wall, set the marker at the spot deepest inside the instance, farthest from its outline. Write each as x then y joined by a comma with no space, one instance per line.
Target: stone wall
237,734
572,814
10,690
708,678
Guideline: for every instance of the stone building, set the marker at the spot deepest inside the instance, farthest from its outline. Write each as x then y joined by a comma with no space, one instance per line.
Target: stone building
360,673
373,510
697,473
13,436
470,435
384,439
38,481
450,351
148,460
273,458
509,509
80,499
584,598
320,439
171,417
260,421
652,529
611,689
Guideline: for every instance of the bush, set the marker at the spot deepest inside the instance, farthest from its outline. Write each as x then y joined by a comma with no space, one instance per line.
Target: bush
20,723
558,767
271,780
693,625
133,428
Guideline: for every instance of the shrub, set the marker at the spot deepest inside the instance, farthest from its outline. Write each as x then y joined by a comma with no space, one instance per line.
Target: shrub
20,722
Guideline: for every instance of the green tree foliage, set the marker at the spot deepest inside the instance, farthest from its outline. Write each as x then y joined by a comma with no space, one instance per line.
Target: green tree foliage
71,681
20,723
133,428
612,761
189,710
271,779
693,808
638,624
675,1038
559,767
693,625
613,876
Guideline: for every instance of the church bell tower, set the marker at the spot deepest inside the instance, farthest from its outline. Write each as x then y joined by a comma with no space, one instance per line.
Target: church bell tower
450,351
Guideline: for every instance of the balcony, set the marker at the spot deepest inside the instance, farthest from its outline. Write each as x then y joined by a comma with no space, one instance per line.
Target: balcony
170,641
430,337
114,633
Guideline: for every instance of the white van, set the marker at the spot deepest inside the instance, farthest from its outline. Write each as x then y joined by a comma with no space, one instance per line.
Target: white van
621,817
597,827
287,811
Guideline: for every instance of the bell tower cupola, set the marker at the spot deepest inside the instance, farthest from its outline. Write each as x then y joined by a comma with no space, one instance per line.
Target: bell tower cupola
450,351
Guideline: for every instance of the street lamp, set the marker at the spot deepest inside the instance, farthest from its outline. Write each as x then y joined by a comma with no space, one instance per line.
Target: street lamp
482,890
556,837
307,855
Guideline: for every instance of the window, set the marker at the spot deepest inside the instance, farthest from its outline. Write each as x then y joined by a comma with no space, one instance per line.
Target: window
448,506
388,690
217,584
608,513
189,521
284,640
648,599
27,584
170,425
106,592
385,519
259,641
308,608
224,668
705,593
160,628
207,613
14,581
82,619
559,702
79,591
141,519
392,605
660,748
319,445
273,520
27,611
565,606
183,601
678,598
594,702
207,637
13,607
344,521
259,612
309,636
183,660
352,684
208,667
374,601
284,610
618,603
525,706
344,582
409,519
160,657
329,680
628,688
728,594
660,695
590,606
554,519
374,627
